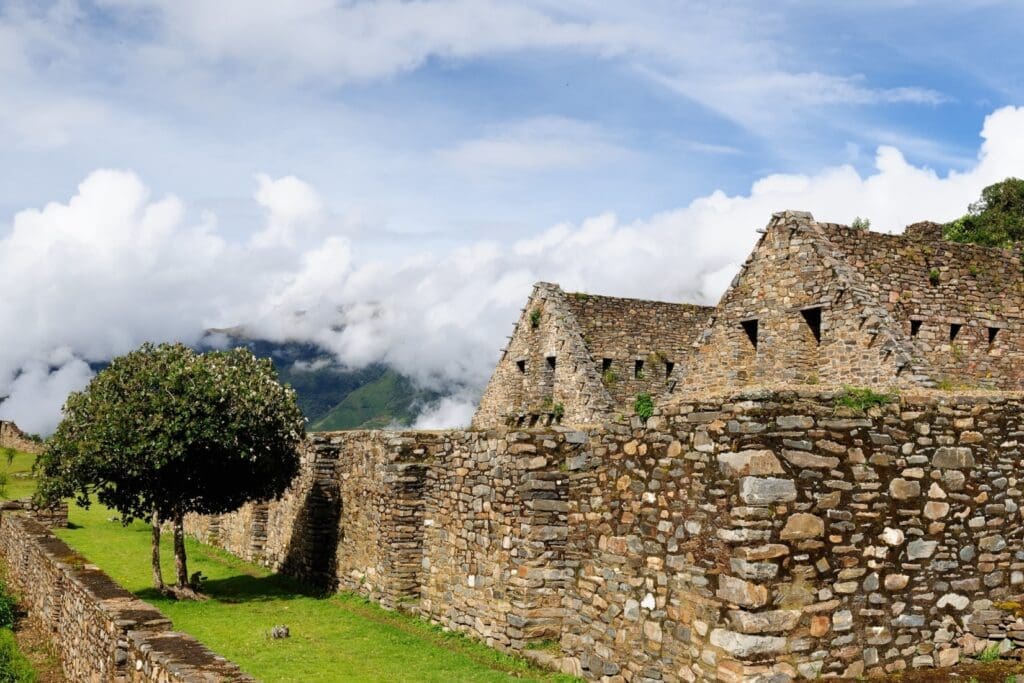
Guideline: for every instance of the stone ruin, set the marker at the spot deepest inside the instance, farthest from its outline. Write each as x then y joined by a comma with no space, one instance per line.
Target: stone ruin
12,437
761,525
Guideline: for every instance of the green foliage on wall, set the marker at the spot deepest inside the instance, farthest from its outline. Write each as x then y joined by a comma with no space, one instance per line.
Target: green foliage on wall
643,406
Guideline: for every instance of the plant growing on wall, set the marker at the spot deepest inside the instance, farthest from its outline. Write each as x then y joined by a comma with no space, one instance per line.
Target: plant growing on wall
609,378
535,318
164,431
643,406
933,276
862,398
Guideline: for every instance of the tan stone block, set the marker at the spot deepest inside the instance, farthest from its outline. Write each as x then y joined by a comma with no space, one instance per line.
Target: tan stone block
802,525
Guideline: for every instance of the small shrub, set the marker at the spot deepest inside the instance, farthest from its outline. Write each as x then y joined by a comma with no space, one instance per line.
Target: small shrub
863,398
535,318
974,270
580,296
860,223
933,276
609,378
643,406
558,411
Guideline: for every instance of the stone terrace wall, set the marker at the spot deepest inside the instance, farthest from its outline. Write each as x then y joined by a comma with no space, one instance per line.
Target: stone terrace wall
763,535
101,632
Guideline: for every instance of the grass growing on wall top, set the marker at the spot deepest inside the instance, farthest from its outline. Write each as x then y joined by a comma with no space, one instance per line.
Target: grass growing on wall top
862,398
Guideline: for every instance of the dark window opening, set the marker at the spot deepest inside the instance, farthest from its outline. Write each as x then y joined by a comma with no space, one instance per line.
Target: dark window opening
954,330
638,369
669,366
915,327
812,316
551,362
606,364
521,364
992,332
750,327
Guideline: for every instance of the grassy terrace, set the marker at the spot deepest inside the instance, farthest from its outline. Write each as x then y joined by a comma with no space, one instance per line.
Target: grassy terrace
338,638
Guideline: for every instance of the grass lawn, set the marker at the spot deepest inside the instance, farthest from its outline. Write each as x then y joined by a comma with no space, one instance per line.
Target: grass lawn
339,638
18,474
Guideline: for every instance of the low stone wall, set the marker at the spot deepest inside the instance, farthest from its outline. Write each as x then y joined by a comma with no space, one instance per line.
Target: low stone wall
52,516
101,631
761,535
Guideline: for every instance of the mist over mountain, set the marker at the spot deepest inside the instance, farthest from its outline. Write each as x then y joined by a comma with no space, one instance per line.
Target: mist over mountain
330,395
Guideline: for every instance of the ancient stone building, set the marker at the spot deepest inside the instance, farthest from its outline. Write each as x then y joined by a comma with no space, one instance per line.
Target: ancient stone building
581,358
760,526
825,303
815,303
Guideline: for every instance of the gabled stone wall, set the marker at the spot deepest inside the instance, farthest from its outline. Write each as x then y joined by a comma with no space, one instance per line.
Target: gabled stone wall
790,279
545,364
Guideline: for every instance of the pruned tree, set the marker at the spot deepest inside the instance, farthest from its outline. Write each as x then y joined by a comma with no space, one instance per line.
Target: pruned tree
164,431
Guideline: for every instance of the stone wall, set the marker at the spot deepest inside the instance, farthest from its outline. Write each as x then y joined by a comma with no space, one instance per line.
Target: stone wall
637,346
796,313
545,364
12,437
760,535
101,631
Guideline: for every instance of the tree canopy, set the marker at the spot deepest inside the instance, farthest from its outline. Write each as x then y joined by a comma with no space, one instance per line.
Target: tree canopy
995,220
164,431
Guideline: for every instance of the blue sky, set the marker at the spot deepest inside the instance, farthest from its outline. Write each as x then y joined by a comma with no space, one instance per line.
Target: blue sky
376,163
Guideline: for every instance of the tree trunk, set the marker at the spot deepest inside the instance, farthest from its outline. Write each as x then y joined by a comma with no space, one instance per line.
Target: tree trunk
180,563
158,579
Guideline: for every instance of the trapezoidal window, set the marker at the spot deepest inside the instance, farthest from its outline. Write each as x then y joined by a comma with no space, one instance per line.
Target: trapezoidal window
812,316
669,366
915,327
521,364
606,364
750,327
954,330
551,362
993,332
638,369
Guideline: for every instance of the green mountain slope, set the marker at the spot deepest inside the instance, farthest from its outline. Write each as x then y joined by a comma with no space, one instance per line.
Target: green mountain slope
391,399
333,397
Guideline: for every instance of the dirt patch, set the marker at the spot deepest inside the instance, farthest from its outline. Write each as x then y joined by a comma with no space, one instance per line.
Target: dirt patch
979,672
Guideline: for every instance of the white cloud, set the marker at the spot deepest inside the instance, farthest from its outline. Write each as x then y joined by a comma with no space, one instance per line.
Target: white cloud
291,204
113,267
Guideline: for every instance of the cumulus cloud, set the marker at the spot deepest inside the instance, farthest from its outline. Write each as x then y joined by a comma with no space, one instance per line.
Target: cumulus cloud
113,267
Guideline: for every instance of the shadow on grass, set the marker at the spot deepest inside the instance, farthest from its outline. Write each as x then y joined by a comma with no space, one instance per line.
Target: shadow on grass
243,588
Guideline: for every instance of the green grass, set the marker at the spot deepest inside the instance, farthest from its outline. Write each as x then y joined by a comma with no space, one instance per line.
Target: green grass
14,667
338,638
18,475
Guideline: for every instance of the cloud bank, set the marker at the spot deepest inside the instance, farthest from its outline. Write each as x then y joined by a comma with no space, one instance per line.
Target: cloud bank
111,267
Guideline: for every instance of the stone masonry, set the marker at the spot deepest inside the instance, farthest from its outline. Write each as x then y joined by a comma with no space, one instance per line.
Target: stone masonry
753,535
758,527
102,632
12,437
